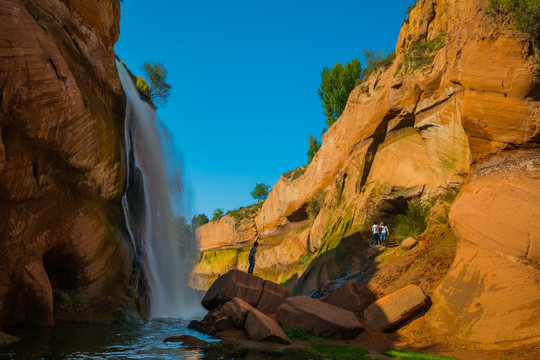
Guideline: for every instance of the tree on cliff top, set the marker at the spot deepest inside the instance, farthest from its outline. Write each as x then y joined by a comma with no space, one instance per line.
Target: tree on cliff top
155,75
336,85
260,192
198,220
313,147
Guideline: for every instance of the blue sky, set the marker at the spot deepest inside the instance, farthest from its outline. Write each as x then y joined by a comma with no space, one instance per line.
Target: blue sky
245,76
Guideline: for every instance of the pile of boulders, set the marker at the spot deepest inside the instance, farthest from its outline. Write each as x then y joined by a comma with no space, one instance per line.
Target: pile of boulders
263,309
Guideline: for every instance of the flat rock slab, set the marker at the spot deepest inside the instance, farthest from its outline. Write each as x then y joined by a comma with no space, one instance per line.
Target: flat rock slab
187,341
318,318
261,327
237,310
272,297
351,297
235,283
392,309
6,338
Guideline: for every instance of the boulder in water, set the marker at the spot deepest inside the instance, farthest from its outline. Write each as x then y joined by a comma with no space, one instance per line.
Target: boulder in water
235,283
261,327
187,341
237,311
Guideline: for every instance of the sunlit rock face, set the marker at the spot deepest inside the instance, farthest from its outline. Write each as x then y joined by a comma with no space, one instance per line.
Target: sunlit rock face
468,120
64,250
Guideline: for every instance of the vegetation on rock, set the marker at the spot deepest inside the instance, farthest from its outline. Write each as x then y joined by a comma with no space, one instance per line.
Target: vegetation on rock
525,15
337,83
296,173
420,56
155,79
218,213
199,220
246,211
313,147
375,61
260,192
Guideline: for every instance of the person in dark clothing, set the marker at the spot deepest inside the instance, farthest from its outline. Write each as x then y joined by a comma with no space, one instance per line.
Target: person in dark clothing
252,257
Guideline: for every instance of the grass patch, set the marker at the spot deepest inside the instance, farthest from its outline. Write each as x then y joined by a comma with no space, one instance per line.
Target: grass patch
407,354
420,56
414,222
298,334
524,14
246,211
338,352
296,173
315,204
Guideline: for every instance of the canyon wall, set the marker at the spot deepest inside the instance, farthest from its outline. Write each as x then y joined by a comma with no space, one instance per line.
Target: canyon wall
64,249
458,110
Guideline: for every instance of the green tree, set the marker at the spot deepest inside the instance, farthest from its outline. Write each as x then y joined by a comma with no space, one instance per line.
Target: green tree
260,192
375,60
336,85
313,147
218,213
155,75
198,220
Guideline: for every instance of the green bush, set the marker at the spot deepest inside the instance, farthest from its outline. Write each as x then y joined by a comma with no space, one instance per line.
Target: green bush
142,86
246,211
296,173
525,14
420,56
414,222
412,6
315,204
375,61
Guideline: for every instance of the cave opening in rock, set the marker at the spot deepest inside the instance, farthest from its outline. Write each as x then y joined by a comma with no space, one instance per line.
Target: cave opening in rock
63,269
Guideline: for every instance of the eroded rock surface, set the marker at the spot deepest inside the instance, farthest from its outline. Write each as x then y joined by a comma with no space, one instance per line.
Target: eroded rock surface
261,327
318,318
235,283
62,169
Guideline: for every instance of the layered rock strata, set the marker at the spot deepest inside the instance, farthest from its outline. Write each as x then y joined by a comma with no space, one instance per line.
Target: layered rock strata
62,168
459,106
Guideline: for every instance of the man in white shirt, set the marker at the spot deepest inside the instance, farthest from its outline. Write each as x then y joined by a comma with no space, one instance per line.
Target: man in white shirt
375,236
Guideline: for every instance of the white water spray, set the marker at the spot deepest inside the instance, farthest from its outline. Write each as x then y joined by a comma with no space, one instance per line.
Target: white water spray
147,138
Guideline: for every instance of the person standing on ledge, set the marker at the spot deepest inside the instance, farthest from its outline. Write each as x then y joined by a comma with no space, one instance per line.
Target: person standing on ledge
375,236
252,257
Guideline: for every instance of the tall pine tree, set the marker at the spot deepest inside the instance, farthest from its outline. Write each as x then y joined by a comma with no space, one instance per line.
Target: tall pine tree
313,147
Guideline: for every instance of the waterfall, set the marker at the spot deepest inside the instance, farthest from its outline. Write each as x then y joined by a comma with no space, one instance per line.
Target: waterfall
151,211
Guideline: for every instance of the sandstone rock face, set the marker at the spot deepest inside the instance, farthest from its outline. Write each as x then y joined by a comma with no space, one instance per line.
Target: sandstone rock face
62,163
491,294
392,309
318,318
272,297
260,327
237,311
233,284
225,232
469,118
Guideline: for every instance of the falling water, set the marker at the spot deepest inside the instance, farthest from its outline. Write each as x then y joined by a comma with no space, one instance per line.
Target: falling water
149,149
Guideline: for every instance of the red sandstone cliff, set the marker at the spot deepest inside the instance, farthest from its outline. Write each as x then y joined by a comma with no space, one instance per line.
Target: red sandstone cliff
62,166
467,117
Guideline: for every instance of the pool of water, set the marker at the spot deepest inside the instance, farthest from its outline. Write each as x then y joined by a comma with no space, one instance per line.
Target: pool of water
98,341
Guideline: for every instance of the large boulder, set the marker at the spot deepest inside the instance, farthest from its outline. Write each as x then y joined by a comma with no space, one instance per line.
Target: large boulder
215,321
392,309
235,283
272,297
261,327
409,243
350,297
237,311
318,318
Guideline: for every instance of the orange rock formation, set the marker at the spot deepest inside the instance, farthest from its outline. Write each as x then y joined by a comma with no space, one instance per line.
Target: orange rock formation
466,115
62,168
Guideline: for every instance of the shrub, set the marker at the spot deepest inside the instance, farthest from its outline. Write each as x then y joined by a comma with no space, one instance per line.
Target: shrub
218,213
525,14
142,86
412,6
260,192
376,61
244,212
420,56
315,204
296,173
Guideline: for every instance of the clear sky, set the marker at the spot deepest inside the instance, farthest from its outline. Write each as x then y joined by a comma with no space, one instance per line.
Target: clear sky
245,76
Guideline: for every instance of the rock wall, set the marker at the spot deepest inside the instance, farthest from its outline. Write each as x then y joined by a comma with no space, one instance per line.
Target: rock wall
458,107
64,249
